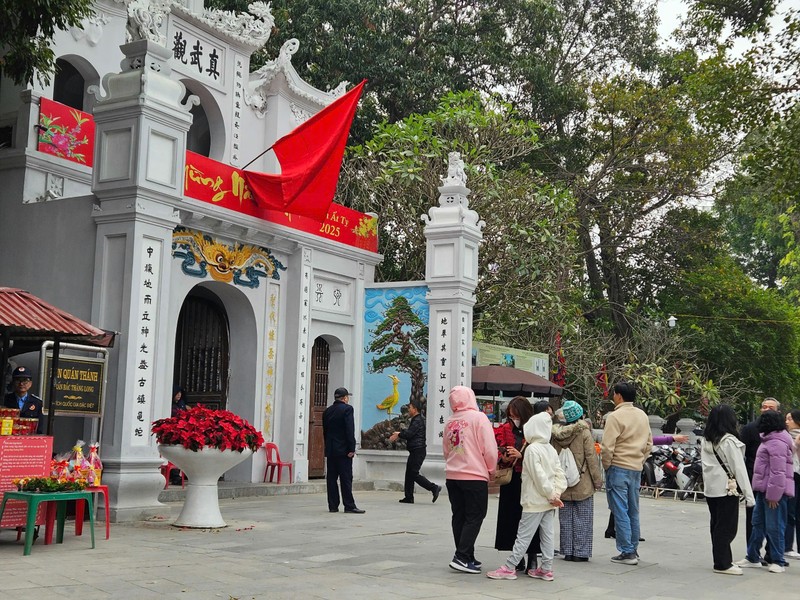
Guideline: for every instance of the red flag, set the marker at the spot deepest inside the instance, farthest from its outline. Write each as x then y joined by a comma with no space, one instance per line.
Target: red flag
601,379
560,374
310,157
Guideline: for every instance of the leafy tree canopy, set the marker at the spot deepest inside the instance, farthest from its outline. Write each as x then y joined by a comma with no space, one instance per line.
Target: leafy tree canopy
27,31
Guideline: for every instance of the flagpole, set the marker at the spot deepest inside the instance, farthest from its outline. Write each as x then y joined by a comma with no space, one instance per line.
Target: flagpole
256,158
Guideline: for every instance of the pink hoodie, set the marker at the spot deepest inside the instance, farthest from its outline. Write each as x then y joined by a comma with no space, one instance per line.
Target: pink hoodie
470,450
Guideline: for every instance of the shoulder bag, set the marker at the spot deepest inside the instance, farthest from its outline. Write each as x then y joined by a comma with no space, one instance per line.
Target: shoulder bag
503,475
732,485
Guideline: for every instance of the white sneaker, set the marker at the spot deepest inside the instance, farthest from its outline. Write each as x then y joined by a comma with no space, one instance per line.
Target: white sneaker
792,554
773,568
745,564
732,570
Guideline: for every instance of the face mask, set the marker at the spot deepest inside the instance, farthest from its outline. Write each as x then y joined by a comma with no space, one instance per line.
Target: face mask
515,422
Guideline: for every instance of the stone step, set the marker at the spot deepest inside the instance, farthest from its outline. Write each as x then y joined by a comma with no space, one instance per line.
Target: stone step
232,489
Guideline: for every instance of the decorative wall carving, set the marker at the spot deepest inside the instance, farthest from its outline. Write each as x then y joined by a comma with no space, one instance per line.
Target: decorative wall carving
91,29
251,29
257,89
240,264
145,18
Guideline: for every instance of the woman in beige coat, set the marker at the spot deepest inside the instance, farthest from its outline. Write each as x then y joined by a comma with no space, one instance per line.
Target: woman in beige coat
577,516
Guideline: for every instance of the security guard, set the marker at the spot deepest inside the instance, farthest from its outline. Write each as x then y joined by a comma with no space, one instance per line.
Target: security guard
29,405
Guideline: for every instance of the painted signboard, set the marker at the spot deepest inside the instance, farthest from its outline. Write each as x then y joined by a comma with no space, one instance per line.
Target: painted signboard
396,354
489,354
79,385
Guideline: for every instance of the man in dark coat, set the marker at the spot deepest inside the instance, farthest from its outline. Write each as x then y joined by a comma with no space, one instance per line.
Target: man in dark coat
29,405
414,435
752,440
338,429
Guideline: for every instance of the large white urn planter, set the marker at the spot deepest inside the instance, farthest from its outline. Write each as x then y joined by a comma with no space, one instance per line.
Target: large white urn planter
203,469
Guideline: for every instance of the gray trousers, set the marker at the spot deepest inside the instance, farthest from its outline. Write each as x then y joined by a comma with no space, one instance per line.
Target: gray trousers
528,524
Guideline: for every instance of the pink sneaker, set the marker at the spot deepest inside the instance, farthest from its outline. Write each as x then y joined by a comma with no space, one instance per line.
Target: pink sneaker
503,573
540,573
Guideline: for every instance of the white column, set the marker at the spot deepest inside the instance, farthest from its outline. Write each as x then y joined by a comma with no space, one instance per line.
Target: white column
453,233
141,129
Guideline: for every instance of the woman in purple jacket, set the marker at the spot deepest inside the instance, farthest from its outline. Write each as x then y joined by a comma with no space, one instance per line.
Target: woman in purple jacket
773,484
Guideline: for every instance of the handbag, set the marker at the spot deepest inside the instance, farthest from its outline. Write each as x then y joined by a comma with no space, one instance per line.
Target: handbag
732,485
503,475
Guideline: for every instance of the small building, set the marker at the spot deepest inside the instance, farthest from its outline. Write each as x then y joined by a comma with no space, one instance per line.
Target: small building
261,315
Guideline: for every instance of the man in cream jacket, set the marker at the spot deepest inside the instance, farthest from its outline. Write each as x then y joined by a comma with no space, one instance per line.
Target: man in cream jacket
627,441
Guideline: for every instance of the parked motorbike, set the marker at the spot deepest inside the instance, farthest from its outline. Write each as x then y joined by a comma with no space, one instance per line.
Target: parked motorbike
673,468
693,471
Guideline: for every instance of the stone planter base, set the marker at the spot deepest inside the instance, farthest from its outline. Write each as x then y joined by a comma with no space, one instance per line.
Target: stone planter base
203,469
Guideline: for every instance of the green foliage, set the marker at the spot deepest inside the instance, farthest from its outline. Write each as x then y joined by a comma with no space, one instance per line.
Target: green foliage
666,390
528,254
27,31
741,328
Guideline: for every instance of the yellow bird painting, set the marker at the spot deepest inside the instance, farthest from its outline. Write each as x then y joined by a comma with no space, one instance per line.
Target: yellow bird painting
392,399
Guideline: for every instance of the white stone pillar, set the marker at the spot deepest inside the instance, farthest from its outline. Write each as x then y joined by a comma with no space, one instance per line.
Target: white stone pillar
140,150
453,233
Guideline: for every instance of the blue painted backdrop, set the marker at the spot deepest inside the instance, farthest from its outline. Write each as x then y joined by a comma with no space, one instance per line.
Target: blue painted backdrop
378,386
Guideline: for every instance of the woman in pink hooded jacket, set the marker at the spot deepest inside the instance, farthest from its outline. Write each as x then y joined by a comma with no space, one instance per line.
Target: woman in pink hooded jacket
470,453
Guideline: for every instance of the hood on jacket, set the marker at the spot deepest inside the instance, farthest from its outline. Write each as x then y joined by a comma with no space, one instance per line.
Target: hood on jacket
782,436
538,429
564,434
462,398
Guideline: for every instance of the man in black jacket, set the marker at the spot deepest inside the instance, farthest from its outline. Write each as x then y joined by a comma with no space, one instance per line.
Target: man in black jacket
752,440
29,405
338,429
414,436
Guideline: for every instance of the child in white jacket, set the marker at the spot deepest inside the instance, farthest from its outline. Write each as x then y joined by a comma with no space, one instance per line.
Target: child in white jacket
543,481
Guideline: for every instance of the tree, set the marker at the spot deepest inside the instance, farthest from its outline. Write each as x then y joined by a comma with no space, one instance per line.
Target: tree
401,339
27,32
741,328
526,270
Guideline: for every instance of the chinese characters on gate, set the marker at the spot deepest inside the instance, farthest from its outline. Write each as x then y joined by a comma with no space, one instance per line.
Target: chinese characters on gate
147,311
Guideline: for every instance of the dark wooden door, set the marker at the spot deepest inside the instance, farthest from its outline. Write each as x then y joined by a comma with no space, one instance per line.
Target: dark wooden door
201,352
320,359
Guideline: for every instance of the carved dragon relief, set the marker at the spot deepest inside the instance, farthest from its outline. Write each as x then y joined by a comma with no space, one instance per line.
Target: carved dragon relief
145,18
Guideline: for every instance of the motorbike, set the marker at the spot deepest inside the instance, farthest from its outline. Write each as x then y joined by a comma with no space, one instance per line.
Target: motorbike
693,472
672,468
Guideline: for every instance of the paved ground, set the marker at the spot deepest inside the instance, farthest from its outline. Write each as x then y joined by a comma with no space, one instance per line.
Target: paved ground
289,546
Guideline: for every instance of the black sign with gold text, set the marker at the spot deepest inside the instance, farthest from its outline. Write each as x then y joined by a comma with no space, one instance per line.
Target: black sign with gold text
79,386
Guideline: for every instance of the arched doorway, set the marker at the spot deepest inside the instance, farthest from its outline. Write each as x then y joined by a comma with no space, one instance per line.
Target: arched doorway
320,363
202,352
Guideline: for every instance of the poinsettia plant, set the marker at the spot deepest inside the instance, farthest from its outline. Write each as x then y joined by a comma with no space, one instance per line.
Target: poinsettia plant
199,427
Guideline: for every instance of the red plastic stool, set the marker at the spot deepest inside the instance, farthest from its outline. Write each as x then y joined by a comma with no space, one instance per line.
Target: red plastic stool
99,489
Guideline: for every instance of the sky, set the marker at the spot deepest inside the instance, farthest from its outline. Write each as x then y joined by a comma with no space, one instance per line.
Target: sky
671,10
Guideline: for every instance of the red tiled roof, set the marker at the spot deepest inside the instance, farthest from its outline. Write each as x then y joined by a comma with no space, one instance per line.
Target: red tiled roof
22,315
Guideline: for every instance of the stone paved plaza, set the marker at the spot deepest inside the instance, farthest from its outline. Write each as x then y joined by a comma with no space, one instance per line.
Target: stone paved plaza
289,546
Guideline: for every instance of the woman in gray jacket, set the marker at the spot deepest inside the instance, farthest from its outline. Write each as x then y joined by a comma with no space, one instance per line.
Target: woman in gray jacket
723,455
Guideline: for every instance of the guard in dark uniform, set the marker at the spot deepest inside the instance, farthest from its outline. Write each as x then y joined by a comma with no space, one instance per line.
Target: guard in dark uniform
29,405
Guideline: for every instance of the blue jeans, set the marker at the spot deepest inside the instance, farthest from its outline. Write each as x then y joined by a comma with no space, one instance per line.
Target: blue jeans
770,523
622,490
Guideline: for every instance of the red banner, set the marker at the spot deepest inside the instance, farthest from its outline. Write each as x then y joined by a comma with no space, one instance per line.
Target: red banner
69,133
223,185
66,132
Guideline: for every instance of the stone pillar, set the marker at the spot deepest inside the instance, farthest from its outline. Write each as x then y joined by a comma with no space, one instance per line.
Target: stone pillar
140,150
453,233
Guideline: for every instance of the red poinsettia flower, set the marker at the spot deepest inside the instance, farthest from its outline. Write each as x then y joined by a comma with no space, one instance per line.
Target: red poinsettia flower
198,427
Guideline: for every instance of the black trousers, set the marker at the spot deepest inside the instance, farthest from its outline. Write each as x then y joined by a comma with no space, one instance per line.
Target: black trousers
340,468
469,500
724,513
414,463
